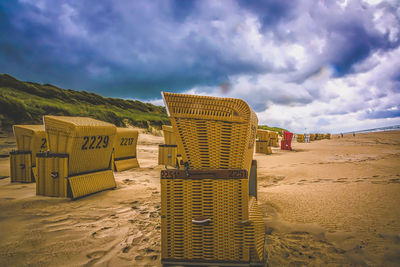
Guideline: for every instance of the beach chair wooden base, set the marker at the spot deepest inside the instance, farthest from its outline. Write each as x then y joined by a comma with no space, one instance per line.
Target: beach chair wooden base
21,167
171,263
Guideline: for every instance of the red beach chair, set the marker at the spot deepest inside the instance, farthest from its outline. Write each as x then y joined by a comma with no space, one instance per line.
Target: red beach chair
286,143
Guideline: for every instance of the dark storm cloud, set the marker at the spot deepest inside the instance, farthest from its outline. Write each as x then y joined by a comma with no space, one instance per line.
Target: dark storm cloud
135,49
128,49
270,12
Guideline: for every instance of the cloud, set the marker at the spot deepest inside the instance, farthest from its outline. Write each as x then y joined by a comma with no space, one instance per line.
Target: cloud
308,64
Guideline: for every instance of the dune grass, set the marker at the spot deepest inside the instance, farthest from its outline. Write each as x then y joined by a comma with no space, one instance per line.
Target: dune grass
25,102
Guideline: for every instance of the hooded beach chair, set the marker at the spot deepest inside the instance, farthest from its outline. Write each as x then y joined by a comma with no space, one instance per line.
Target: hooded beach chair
207,215
79,160
273,137
286,142
125,156
30,139
300,138
263,143
306,138
312,137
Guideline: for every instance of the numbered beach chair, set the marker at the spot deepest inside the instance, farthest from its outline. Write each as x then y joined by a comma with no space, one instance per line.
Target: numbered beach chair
207,215
286,143
30,139
125,156
263,143
79,161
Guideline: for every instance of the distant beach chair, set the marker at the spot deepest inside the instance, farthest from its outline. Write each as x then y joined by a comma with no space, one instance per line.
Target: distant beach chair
273,137
263,142
328,136
286,143
125,157
79,160
306,138
312,137
30,139
207,215
300,138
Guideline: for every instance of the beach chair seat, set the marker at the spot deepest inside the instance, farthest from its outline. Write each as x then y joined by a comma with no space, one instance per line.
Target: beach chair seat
207,215
79,160
30,139
125,156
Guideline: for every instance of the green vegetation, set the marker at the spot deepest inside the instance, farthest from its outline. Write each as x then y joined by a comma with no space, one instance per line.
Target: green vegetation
275,129
26,103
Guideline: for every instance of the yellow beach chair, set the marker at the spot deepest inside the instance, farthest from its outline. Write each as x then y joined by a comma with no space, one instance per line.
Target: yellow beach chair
31,139
79,161
125,156
207,215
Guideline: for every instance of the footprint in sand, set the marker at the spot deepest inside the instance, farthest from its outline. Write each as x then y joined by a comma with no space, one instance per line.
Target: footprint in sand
103,232
96,254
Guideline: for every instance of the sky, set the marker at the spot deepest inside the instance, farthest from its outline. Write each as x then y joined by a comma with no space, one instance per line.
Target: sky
307,66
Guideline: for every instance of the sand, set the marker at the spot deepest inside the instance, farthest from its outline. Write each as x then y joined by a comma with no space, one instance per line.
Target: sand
330,202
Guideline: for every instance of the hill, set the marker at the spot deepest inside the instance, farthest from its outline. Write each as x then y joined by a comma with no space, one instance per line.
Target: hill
26,103
275,129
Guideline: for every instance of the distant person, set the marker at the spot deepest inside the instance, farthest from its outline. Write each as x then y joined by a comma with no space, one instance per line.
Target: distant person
354,134
341,134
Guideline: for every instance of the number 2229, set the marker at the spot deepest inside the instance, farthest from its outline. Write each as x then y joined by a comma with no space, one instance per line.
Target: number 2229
95,142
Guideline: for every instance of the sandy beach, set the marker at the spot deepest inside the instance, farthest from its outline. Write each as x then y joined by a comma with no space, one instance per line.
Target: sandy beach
329,202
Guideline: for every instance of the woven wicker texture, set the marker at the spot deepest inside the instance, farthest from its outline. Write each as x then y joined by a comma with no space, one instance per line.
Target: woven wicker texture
273,137
86,184
169,135
20,167
88,142
31,138
223,201
255,232
214,133
52,176
263,135
263,147
125,147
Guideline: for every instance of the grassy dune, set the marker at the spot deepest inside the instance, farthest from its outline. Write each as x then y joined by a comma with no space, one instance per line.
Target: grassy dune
26,102
275,129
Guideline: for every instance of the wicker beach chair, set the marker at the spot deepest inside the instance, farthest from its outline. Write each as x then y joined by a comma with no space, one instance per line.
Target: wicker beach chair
300,138
263,142
286,143
30,139
79,160
207,215
125,156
